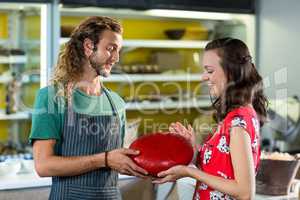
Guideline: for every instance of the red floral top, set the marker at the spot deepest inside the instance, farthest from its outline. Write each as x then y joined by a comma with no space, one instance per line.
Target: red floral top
214,155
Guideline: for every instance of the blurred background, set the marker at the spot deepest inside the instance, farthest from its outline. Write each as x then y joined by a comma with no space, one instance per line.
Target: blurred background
159,77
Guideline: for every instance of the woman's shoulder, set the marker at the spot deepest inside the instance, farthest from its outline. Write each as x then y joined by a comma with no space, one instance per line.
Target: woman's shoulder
244,117
243,111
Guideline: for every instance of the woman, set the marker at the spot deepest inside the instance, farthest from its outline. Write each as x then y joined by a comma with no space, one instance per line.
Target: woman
229,159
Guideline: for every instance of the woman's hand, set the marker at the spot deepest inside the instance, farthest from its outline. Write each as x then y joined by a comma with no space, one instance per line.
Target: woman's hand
187,133
172,174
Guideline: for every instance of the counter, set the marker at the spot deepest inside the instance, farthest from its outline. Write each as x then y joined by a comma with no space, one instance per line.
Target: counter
29,185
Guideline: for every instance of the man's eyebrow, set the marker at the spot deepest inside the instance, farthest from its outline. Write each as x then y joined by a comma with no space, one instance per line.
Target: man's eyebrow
115,45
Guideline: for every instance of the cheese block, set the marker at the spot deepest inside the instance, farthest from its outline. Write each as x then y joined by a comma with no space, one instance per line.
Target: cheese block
161,151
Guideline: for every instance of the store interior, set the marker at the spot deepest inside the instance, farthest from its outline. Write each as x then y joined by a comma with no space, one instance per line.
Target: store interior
158,76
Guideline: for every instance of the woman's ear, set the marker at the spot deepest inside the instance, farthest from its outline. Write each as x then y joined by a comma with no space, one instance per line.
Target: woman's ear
88,47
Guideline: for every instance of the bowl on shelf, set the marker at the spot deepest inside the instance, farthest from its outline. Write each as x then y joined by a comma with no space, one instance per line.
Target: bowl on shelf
175,34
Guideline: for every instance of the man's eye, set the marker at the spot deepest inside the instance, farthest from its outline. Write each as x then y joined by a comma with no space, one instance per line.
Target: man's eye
110,48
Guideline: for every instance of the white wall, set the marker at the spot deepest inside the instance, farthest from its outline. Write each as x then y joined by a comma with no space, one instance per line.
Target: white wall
278,46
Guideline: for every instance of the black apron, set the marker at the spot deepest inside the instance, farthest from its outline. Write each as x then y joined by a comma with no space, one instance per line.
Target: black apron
86,135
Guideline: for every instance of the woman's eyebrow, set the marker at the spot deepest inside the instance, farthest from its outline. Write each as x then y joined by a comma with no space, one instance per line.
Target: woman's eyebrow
208,67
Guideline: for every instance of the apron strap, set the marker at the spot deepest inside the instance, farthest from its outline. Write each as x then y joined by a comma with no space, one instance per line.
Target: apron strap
115,111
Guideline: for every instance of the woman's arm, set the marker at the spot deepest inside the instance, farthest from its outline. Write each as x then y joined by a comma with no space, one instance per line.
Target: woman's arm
243,186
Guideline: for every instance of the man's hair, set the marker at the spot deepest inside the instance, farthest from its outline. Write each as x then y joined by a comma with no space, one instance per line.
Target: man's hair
72,57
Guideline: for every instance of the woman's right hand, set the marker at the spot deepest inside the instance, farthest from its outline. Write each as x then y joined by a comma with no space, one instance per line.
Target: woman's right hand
187,133
119,160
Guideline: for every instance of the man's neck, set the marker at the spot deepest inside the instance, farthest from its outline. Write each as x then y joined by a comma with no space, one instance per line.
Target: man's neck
90,85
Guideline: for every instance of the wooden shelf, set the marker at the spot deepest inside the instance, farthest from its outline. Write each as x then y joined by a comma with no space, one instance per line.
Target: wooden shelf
13,59
194,103
186,44
152,77
14,116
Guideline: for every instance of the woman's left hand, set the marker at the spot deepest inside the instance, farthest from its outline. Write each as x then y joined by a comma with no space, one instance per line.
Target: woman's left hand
172,174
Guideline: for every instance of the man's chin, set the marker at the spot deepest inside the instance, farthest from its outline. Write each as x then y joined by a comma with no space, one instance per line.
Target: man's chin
103,73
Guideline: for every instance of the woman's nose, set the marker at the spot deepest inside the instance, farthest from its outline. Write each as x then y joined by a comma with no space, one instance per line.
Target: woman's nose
205,77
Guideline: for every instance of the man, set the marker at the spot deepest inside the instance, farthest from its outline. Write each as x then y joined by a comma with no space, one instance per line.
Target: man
78,125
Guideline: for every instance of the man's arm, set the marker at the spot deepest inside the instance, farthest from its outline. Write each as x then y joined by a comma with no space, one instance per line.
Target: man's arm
49,164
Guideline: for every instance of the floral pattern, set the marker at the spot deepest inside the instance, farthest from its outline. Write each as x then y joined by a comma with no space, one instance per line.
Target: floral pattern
255,125
223,146
216,195
207,156
216,151
203,186
239,121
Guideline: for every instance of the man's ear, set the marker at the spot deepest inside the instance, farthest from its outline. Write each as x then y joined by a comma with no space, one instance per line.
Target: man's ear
88,47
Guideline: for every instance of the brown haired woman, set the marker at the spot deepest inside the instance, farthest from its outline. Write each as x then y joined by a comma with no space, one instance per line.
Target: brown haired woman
228,160
78,127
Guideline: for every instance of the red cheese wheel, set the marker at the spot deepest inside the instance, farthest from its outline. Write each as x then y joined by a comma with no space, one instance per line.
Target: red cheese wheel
159,152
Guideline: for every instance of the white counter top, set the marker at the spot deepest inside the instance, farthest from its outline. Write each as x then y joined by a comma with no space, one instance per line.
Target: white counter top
31,180
26,180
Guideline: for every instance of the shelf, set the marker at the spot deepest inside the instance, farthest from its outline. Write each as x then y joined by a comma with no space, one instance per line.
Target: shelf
25,79
152,77
4,42
148,14
129,78
187,44
14,116
15,59
194,103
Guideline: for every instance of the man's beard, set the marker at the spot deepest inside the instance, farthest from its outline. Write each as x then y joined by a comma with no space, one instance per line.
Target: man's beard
98,67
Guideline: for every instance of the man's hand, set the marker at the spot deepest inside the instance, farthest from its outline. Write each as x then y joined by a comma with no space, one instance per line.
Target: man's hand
120,161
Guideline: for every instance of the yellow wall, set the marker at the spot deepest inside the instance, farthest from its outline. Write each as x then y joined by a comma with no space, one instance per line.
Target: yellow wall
3,26
133,29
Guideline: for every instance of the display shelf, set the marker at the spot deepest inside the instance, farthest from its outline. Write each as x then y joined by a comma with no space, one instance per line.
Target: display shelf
186,44
152,77
147,105
25,79
13,59
127,78
15,116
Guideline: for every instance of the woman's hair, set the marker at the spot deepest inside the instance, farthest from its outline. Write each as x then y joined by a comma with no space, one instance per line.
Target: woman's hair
244,84
72,57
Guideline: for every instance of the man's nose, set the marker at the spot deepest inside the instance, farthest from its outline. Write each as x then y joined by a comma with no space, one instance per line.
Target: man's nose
115,57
